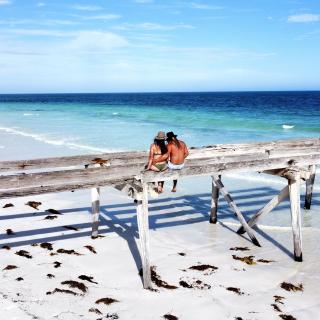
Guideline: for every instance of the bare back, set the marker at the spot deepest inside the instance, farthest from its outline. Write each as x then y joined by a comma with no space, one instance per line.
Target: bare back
177,153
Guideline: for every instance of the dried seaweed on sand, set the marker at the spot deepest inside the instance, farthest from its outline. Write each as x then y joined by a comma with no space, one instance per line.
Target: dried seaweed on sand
235,290
50,276
24,253
75,284
10,267
87,278
46,245
57,264
197,284
91,248
156,279
6,247
204,267
19,279
182,254
9,232
169,316
240,249
248,259
71,228
291,287
53,211
8,205
50,217
95,310
34,204
278,299
69,252
265,261
275,307
106,301
57,290
287,317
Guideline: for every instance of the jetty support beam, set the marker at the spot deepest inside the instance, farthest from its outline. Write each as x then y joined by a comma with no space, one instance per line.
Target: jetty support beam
309,187
284,193
95,199
236,210
143,228
214,202
294,192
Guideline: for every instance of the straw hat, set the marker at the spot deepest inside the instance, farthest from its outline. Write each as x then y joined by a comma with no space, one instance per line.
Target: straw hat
160,136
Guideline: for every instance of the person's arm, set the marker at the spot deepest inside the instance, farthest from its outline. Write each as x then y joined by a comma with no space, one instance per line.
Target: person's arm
151,158
163,157
186,151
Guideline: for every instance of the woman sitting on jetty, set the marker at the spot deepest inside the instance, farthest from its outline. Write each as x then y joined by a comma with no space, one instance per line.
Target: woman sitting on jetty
158,149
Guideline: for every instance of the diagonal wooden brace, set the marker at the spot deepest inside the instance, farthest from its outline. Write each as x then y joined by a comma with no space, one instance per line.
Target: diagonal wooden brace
236,210
284,193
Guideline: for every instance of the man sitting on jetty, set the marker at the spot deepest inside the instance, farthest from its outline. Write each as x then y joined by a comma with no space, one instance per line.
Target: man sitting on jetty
177,153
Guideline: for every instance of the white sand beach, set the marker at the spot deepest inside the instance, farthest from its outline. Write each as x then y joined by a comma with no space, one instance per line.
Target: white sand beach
210,282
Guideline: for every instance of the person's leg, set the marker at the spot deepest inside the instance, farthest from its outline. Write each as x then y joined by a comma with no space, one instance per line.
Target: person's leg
160,186
154,168
174,187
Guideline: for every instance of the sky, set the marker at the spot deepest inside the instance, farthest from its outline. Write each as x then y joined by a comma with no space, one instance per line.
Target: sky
54,46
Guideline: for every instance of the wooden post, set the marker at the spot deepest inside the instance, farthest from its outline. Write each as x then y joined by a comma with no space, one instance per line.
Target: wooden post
294,191
309,187
236,210
143,228
284,193
214,202
95,198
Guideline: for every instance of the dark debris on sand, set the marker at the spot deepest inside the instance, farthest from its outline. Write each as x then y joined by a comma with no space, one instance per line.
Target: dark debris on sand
71,228
204,267
24,253
156,279
91,248
8,205
50,217
278,299
53,211
46,245
291,287
240,249
75,285
10,267
169,316
57,290
87,278
275,307
265,261
111,316
197,284
34,204
69,252
182,254
6,247
50,276
100,161
57,264
287,317
106,301
9,232
19,279
248,259
95,310
235,290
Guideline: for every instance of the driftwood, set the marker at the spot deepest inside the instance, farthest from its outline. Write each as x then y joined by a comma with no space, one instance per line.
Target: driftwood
294,160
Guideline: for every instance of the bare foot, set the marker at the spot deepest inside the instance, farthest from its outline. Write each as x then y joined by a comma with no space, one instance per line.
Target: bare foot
174,189
160,190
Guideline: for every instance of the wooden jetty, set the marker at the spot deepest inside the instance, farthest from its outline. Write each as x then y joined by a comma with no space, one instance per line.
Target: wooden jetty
293,160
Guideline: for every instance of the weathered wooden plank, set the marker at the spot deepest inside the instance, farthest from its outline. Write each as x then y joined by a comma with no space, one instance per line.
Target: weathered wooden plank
309,187
294,191
236,210
239,166
304,174
143,227
95,199
284,193
214,202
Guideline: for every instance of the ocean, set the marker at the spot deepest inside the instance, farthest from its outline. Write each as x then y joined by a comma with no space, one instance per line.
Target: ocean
86,123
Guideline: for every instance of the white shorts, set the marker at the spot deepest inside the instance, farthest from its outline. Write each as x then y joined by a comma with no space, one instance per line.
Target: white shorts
172,166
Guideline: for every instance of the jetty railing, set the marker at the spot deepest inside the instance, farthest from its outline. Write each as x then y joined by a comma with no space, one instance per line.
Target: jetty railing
294,160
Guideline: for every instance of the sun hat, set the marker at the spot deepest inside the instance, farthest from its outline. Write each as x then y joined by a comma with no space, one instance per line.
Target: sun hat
160,136
171,135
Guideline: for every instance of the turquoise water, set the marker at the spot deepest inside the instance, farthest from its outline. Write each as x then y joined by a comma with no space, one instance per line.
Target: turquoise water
108,122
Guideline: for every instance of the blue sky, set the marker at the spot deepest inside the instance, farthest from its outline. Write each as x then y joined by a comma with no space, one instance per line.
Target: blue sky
158,45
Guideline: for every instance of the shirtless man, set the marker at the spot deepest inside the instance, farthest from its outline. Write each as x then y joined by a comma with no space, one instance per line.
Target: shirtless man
177,152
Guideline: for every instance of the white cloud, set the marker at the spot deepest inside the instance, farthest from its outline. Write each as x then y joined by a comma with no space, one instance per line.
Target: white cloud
103,17
154,26
38,32
203,6
143,1
87,7
4,2
304,18
41,4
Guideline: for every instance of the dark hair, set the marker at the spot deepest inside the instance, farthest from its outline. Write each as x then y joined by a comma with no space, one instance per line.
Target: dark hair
162,145
174,140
